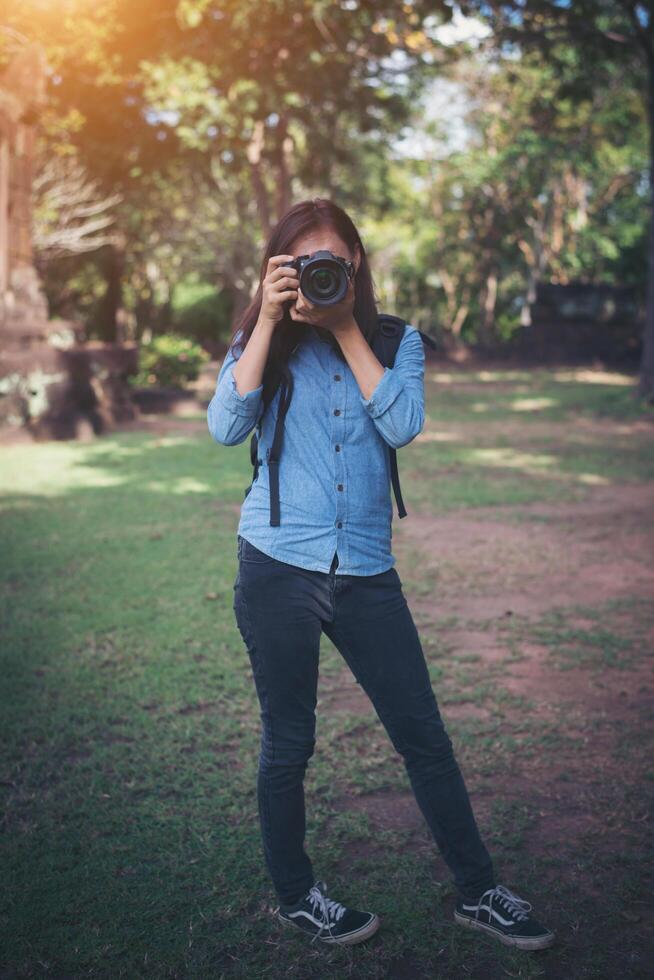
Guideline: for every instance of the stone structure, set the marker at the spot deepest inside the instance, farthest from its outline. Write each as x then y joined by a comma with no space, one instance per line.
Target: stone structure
579,322
49,382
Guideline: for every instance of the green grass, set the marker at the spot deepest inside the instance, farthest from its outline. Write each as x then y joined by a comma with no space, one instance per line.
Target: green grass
130,725
491,452
619,645
533,395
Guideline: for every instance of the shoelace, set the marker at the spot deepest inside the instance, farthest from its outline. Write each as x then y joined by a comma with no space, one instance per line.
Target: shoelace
518,907
329,908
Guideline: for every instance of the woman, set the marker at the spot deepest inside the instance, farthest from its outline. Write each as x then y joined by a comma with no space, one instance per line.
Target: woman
327,566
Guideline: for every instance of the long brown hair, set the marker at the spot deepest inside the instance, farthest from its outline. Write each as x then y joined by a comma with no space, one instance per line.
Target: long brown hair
304,217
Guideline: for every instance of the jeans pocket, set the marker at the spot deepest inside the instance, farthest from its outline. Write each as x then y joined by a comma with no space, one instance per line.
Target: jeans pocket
252,555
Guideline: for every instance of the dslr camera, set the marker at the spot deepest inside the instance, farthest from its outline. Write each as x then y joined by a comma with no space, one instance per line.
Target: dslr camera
323,276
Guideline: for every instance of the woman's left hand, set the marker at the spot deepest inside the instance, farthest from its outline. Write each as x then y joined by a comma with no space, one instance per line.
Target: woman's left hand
335,318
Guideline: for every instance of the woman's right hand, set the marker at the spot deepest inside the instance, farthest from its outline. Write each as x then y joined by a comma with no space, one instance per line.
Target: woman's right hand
279,286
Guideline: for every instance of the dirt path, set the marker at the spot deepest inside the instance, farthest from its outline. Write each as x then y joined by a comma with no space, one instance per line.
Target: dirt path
531,558
583,682
491,563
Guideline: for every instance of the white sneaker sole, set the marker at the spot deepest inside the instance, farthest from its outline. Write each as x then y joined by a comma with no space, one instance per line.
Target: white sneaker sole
348,939
522,942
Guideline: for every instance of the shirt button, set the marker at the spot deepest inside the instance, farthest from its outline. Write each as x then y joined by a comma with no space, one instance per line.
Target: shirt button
337,377
338,449
339,523
337,411
340,486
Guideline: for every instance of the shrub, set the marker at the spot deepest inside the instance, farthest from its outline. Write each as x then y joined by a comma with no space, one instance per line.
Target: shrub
170,360
201,312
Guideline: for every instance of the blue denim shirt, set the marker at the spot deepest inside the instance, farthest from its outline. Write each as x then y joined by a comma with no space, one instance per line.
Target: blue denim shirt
334,467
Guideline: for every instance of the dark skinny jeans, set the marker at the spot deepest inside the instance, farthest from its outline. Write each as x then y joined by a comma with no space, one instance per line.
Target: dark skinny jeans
281,610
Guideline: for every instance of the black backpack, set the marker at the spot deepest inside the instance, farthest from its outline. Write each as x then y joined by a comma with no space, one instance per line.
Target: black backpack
389,333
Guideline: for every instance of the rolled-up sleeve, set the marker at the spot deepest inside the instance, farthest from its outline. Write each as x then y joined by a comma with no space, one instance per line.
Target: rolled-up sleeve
232,416
397,405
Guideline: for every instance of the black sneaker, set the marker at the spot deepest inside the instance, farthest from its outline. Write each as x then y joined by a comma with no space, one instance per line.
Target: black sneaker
503,914
328,920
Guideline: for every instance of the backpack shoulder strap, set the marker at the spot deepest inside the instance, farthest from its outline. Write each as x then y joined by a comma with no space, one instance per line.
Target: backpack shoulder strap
389,335
274,451
387,338
256,436
426,339
285,383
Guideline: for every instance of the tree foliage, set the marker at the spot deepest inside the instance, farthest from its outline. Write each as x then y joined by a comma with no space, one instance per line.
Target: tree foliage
176,132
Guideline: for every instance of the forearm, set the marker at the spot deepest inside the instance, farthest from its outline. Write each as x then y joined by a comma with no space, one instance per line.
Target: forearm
236,405
364,365
392,397
248,369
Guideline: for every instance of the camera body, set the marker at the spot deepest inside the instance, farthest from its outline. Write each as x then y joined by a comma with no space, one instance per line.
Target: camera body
323,277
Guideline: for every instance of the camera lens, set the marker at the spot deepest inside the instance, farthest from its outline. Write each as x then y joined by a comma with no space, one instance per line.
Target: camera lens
323,281
324,278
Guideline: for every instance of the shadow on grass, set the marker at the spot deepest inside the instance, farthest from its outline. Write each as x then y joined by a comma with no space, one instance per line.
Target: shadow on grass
130,724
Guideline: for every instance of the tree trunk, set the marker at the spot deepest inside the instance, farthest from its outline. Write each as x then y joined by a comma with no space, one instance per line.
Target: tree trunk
646,383
144,312
284,167
112,268
488,309
255,155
